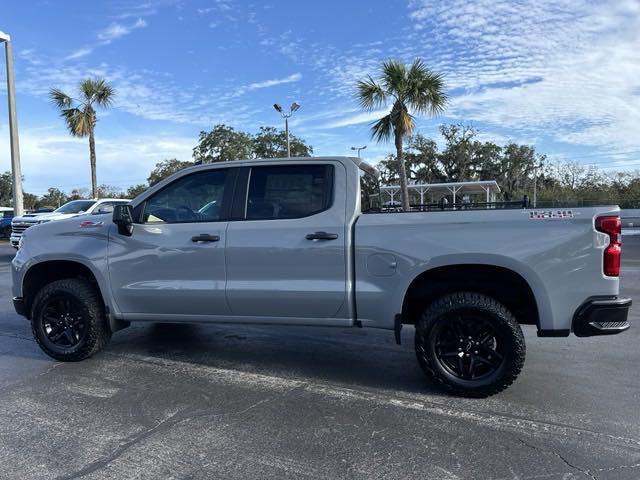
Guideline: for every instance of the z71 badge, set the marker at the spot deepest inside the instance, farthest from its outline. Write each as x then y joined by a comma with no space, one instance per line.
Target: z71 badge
540,214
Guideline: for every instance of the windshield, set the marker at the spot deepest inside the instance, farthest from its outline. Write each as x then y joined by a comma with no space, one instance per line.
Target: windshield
75,206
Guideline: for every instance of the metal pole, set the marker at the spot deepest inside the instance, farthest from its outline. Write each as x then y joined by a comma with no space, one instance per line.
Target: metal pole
358,149
535,186
18,208
286,129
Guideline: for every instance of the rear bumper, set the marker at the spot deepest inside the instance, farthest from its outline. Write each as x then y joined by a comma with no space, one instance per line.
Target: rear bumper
19,306
601,316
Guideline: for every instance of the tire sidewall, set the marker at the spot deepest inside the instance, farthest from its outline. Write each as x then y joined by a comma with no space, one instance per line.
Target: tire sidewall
506,329
91,311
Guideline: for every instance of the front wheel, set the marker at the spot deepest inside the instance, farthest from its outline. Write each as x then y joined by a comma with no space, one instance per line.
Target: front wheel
68,320
470,343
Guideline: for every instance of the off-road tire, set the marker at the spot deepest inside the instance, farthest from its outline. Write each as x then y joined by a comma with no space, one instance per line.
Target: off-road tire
470,304
87,297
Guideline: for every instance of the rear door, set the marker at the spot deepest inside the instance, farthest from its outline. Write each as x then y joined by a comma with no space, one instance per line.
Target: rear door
173,263
286,254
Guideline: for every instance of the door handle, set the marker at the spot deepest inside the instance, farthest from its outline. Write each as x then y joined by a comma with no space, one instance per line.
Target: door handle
205,237
321,236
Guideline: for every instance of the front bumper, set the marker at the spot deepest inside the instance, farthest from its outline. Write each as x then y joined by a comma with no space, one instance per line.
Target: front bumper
15,240
601,316
20,307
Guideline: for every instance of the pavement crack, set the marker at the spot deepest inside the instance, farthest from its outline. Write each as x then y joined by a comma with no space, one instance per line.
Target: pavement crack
560,456
122,448
171,421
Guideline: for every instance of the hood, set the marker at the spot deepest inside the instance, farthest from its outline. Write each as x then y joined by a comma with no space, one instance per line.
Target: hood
38,217
71,225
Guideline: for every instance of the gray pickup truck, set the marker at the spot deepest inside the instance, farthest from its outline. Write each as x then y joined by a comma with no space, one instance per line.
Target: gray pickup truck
285,242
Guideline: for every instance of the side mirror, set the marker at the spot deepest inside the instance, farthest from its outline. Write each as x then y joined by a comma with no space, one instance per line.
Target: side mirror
123,218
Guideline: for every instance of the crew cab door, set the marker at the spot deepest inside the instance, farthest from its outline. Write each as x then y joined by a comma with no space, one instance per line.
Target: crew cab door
173,263
286,253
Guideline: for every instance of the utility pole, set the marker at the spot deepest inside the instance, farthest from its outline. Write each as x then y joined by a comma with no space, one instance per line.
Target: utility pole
535,186
16,173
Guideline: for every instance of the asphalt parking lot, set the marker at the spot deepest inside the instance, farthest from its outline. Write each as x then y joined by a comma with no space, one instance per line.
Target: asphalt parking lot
191,402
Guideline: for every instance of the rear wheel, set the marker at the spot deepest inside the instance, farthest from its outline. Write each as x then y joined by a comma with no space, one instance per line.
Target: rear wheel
68,320
470,343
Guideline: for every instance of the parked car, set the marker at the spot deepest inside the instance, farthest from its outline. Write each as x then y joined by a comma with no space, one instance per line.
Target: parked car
68,210
287,244
6,214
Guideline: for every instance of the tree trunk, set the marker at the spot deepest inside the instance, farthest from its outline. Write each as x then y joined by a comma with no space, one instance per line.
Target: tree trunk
92,159
402,172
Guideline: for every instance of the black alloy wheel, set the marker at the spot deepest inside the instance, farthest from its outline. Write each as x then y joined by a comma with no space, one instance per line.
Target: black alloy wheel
467,346
63,321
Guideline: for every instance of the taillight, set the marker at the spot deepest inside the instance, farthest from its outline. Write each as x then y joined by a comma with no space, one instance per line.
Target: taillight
612,227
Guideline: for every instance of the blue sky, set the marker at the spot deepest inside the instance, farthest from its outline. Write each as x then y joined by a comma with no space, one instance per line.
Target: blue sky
561,75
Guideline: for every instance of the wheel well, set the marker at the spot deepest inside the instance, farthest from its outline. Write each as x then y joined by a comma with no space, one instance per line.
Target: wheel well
505,285
44,273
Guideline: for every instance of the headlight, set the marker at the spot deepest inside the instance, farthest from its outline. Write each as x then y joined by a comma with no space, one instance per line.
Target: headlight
43,221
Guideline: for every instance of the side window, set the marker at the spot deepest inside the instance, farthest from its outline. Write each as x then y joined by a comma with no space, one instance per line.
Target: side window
193,198
106,207
289,191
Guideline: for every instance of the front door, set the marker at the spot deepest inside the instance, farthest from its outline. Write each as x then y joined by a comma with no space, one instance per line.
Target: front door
173,263
286,255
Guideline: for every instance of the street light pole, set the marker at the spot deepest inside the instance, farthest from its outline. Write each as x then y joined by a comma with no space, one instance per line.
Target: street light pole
13,128
359,149
286,115
286,129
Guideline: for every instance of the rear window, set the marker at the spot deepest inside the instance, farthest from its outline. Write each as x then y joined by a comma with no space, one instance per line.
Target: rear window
289,191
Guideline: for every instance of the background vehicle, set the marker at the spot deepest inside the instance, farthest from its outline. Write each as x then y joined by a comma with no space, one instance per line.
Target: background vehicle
288,244
6,214
68,210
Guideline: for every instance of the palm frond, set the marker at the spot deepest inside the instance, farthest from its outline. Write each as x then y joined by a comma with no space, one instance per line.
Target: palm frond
78,121
403,122
59,98
370,94
425,92
394,77
382,130
97,91
104,94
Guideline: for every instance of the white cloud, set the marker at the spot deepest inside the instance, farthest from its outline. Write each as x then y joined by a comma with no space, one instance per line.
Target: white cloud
565,69
296,77
117,30
81,52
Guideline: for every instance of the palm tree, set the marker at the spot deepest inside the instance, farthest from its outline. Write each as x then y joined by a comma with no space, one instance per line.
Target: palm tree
80,115
412,88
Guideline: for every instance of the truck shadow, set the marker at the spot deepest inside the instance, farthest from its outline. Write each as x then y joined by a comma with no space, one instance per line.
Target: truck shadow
364,358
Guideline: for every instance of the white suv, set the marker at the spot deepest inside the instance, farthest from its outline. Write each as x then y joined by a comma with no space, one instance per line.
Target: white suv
68,210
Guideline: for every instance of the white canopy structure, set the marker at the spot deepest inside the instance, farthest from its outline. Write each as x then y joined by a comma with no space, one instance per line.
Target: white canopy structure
435,191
